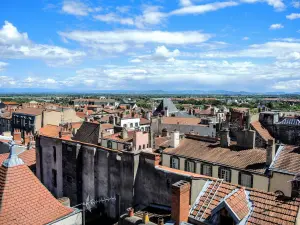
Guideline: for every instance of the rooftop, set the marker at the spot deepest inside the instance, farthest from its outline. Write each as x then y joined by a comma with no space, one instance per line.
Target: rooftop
290,121
24,200
182,121
287,160
28,157
246,205
249,159
29,111
263,132
88,133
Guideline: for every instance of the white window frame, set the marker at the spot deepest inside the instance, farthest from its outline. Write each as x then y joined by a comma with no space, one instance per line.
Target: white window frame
188,166
225,174
206,170
173,162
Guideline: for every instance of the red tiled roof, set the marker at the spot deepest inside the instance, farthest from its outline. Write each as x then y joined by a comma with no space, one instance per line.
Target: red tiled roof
30,111
238,203
266,207
76,125
287,160
263,132
240,110
162,142
28,157
11,103
24,200
104,119
50,130
105,126
117,137
181,120
250,159
144,121
81,114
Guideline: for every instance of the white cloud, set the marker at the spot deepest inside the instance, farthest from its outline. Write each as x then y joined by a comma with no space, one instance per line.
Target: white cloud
123,9
150,16
94,38
135,61
14,44
287,85
293,16
276,26
200,9
276,4
114,18
296,4
3,65
77,8
246,38
185,2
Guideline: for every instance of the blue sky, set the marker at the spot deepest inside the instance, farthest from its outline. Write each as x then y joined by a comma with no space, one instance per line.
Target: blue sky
238,45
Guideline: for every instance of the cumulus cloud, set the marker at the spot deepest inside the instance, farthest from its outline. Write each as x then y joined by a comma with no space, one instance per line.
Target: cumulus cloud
3,65
114,18
293,16
296,4
245,38
276,26
99,39
200,9
77,8
14,44
278,5
160,53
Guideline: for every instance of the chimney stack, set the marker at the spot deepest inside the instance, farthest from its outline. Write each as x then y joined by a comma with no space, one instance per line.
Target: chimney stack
130,212
270,152
145,218
160,221
175,140
166,113
246,139
124,133
224,138
180,201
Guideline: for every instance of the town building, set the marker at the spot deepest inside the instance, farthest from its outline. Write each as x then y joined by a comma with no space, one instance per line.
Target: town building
24,200
203,127
167,108
95,102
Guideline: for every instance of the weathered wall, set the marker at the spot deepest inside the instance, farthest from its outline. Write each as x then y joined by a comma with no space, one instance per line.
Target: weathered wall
278,179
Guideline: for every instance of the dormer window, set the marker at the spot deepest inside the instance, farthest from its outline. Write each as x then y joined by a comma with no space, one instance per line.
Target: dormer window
174,162
245,179
190,166
225,174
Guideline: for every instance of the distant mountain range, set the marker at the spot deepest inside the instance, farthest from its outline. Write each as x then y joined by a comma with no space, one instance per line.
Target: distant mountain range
151,92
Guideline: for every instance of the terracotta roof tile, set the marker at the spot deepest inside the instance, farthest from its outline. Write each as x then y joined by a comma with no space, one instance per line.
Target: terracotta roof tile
264,133
182,120
249,159
144,121
29,111
28,157
266,208
287,160
24,200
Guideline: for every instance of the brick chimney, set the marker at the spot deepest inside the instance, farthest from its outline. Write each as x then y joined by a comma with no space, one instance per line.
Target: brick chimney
224,138
175,139
180,201
270,152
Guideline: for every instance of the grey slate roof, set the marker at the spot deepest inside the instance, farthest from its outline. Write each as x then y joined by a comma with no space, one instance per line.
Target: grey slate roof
290,121
165,103
88,133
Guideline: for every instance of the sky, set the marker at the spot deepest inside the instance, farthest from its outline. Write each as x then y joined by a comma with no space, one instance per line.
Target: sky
234,45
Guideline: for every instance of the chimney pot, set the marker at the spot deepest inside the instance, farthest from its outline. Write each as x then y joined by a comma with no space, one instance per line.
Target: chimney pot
130,212
175,139
270,152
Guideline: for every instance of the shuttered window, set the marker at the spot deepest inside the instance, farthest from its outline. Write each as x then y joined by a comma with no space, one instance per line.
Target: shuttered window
174,162
246,179
190,166
225,174
206,170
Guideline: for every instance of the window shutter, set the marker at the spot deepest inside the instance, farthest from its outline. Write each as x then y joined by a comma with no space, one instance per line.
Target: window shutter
251,181
185,165
171,162
219,172
240,178
229,175
201,171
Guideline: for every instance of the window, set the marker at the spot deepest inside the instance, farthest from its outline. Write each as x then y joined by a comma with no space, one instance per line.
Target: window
143,146
206,170
131,125
69,179
109,144
140,147
54,177
245,179
54,153
136,124
174,162
190,166
125,125
225,174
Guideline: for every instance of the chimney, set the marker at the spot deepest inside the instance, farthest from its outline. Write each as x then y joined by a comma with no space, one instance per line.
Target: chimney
164,132
175,139
137,136
151,138
180,202
160,221
270,152
124,133
166,112
145,218
130,212
224,138
148,115
246,139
